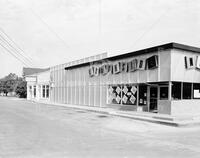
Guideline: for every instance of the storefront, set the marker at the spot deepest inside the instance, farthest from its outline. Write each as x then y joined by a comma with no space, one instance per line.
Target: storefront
163,79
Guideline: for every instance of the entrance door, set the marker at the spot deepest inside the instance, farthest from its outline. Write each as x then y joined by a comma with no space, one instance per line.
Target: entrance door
153,99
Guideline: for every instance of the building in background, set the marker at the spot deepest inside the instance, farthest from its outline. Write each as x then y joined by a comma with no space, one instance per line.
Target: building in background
37,83
164,79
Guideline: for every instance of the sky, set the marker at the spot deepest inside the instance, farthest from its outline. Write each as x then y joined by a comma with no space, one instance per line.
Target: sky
51,32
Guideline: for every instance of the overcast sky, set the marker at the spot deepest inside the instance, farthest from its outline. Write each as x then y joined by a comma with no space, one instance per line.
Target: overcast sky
53,32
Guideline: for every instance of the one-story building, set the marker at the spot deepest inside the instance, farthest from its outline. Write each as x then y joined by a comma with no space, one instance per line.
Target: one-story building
163,79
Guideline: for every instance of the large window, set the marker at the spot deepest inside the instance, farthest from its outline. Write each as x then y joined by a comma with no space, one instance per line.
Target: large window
187,90
43,91
47,91
164,93
122,94
129,95
196,91
34,91
142,95
176,90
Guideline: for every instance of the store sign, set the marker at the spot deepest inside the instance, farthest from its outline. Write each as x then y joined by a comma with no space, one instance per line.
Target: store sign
124,66
192,62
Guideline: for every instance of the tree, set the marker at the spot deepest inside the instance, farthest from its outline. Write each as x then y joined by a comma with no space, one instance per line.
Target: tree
10,83
21,89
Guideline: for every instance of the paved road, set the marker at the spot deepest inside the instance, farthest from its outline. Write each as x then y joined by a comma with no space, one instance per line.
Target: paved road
29,130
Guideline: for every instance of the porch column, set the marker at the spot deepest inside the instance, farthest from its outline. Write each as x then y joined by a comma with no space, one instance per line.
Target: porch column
170,91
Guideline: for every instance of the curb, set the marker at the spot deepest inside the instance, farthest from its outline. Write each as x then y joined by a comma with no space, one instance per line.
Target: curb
152,119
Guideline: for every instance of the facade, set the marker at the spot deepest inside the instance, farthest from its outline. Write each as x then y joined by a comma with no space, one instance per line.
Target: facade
38,84
164,79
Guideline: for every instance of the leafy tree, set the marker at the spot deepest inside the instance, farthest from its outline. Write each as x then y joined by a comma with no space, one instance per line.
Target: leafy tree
21,89
10,83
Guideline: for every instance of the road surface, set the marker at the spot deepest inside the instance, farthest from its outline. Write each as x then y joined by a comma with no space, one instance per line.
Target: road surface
32,130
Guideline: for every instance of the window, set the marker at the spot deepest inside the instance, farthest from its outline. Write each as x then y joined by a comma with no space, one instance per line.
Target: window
129,94
189,62
122,94
114,94
187,90
152,62
176,90
117,68
132,65
34,91
47,91
196,91
141,64
43,91
142,95
163,93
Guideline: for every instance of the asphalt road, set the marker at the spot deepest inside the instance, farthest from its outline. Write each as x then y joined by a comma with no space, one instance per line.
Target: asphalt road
29,130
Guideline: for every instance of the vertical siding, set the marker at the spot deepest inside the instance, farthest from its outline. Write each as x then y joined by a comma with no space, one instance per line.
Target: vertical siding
76,87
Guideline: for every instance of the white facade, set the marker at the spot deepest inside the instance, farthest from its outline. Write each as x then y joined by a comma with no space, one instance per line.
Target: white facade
171,86
38,86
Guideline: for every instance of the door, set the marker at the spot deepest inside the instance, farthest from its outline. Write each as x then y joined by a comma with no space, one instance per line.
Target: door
153,104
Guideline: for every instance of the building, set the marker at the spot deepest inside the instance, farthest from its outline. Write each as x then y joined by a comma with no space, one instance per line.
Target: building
37,83
164,79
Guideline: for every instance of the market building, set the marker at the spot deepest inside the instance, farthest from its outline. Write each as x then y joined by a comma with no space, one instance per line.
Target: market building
164,79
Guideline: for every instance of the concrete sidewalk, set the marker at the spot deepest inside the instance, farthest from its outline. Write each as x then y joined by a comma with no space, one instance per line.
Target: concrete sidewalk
178,121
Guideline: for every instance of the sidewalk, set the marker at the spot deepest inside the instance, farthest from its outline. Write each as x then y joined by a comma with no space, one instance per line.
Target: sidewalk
177,121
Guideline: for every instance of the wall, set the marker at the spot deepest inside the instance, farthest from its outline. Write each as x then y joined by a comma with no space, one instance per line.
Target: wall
178,70
76,87
185,107
164,107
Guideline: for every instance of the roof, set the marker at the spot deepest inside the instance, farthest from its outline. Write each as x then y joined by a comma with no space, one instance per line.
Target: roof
171,45
30,71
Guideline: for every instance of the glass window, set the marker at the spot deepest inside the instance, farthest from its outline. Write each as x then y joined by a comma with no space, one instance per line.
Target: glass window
34,91
163,93
187,90
114,94
196,90
47,91
176,90
152,62
142,95
43,91
129,94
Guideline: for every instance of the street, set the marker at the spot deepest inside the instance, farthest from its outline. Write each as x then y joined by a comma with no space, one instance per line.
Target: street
33,130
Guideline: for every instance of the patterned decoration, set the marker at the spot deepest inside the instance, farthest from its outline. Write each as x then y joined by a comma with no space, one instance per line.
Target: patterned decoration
118,99
125,89
133,89
132,99
118,90
125,94
124,99
110,89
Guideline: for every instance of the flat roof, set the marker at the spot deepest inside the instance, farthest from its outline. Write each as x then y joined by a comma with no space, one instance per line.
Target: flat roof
171,45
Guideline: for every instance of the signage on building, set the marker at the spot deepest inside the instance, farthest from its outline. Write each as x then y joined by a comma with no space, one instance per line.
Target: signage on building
124,66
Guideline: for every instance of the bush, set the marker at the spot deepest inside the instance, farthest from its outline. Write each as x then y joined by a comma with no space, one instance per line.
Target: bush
21,89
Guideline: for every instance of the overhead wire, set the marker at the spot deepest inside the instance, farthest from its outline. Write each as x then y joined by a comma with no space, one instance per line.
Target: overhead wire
49,28
21,52
14,55
14,50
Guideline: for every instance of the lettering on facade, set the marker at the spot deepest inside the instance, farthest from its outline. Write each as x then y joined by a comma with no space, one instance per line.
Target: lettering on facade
124,66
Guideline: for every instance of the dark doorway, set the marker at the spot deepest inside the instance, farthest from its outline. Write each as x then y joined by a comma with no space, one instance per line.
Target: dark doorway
153,99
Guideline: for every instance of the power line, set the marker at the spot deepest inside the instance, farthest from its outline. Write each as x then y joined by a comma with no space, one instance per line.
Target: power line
14,50
49,28
151,26
14,55
22,53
